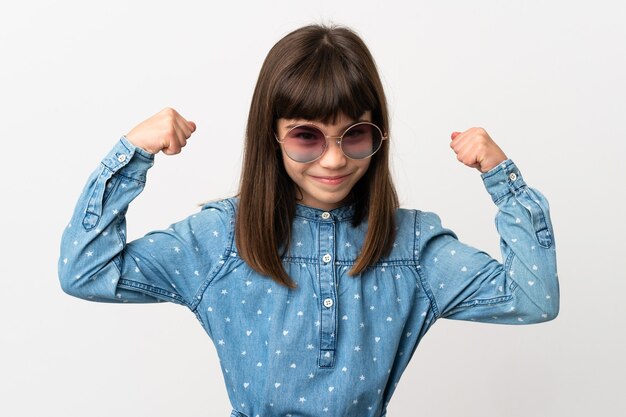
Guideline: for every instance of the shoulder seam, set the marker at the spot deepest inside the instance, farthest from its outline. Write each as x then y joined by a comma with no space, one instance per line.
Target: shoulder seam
417,253
226,254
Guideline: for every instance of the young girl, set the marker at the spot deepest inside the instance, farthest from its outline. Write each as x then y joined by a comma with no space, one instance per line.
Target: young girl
314,286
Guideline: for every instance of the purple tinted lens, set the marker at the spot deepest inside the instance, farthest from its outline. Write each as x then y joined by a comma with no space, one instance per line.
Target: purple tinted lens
361,141
304,143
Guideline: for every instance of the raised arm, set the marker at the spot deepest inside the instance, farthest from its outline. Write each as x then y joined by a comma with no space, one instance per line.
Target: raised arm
466,283
97,264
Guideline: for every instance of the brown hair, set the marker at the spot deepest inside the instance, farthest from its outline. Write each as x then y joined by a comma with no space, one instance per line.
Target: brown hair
313,73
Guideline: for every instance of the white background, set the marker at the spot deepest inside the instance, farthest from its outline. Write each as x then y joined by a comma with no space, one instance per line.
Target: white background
545,78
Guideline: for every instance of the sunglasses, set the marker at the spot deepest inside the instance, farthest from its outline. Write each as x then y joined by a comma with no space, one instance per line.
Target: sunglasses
307,143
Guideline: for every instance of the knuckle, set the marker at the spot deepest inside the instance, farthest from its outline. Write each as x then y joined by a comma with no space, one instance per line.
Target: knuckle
168,111
482,133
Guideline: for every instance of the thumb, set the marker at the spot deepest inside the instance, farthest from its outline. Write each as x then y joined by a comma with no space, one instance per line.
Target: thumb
454,135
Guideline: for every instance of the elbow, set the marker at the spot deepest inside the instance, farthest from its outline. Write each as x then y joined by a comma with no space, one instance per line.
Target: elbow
552,305
543,303
92,284
69,275
534,310
75,282
69,283
547,312
79,287
553,310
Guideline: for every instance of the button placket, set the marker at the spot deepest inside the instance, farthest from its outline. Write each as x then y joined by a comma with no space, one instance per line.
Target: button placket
328,322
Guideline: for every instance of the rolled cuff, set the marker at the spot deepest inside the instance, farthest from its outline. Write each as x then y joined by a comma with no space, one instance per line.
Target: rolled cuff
503,179
133,160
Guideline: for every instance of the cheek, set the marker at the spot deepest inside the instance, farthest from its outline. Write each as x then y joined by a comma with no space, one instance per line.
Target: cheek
363,166
291,167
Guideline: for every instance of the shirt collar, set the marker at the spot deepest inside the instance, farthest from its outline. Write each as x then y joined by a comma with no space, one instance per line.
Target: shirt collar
311,213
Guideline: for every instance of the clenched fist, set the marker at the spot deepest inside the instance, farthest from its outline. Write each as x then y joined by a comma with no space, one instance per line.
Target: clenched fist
476,149
166,131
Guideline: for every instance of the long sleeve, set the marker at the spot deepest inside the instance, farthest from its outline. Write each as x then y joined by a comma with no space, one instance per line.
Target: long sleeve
173,264
467,284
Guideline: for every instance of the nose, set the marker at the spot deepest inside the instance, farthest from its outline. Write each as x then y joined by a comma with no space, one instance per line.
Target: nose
333,157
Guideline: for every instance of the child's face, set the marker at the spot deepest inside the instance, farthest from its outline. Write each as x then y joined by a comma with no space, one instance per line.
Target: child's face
326,182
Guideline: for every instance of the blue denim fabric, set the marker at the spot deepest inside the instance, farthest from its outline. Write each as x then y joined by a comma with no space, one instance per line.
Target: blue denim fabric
336,345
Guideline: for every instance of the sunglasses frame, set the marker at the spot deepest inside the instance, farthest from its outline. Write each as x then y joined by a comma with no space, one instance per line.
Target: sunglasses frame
338,139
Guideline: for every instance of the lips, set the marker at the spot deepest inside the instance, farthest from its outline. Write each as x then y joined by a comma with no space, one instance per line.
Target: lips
331,180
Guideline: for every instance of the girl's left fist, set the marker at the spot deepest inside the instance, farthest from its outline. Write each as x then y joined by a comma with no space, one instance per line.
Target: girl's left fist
476,149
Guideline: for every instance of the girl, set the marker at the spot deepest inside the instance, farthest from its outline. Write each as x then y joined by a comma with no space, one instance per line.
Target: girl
314,286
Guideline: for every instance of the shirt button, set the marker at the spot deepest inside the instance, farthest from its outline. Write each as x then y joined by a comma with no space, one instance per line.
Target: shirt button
512,176
328,303
326,258
121,158
325,215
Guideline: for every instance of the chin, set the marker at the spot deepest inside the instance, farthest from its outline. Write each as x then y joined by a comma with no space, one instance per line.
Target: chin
328,203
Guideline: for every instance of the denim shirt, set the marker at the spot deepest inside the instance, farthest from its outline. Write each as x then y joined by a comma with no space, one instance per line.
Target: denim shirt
336,345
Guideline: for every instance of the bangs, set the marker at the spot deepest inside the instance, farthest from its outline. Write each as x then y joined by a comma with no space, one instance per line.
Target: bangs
323,85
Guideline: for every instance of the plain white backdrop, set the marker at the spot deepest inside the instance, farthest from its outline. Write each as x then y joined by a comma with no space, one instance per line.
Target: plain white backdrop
546,79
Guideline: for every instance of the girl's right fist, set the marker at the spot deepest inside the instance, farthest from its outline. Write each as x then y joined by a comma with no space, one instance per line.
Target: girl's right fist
166,131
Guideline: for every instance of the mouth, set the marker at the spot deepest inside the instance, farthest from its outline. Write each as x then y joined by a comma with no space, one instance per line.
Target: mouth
331,180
